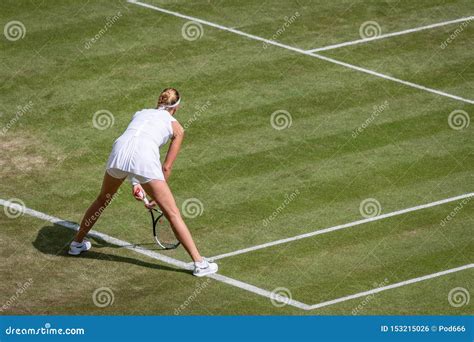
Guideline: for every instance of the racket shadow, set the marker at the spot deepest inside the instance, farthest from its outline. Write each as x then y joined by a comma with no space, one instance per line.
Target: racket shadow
149,245
55,240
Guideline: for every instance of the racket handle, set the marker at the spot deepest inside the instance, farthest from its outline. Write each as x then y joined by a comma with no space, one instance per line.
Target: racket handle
144,199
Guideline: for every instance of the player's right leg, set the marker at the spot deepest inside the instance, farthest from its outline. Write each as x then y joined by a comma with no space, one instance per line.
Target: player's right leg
161,194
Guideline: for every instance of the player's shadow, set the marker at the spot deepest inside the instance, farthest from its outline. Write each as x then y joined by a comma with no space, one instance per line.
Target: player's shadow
55,240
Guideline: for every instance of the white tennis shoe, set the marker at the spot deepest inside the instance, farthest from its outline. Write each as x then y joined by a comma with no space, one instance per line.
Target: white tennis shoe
204,268
76,248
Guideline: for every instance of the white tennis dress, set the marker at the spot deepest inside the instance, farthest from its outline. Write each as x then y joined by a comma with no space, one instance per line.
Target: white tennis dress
136,153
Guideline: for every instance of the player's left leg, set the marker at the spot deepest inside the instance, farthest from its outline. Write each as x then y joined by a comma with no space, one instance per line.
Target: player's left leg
110,185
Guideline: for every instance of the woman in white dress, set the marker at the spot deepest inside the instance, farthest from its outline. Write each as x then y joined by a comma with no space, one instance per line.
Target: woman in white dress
136,156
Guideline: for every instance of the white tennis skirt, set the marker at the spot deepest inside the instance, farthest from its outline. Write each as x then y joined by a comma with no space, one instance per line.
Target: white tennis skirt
136,157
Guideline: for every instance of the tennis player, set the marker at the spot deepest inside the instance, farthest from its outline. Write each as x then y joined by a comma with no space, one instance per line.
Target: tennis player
135,155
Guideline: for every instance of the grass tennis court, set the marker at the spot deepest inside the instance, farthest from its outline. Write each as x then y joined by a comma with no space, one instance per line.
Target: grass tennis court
281,141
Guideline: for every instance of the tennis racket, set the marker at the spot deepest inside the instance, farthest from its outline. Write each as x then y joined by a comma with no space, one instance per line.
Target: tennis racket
162,231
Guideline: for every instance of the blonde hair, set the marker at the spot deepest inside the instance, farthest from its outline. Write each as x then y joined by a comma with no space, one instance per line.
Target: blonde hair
168,97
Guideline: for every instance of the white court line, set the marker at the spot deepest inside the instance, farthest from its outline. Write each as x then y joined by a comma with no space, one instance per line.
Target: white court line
388,287
312,54
342,226
393,34
163,258
219,277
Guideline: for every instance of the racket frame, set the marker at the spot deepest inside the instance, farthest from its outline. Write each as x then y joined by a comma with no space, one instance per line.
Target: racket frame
159,215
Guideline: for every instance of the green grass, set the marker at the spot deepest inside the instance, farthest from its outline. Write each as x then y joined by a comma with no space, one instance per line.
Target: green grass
233,161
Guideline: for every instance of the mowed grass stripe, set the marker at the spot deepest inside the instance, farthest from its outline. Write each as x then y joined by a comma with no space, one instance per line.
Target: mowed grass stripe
61,284
317,190
392,34
392,286
392,177
322,24
415,299
149,253
425,58
298,50
351,261
313,148
464,198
